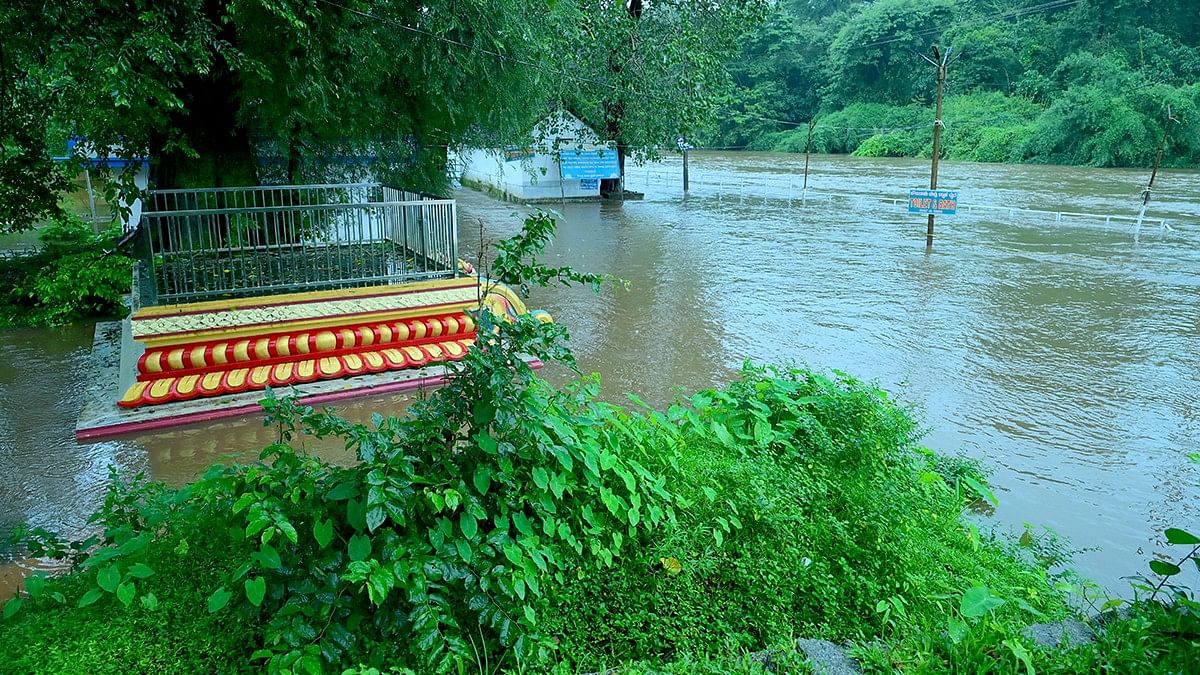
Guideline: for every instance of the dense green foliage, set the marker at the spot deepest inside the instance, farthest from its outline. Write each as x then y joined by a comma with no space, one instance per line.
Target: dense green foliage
238,92
74,274
505,524
1071,82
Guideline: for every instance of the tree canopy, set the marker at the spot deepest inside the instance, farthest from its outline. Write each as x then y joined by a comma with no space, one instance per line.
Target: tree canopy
232,92
1062,81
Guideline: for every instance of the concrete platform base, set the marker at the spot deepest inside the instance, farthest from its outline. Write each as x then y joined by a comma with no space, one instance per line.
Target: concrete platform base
101,417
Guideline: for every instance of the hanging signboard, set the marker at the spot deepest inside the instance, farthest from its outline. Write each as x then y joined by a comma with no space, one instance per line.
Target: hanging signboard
590,163
937,202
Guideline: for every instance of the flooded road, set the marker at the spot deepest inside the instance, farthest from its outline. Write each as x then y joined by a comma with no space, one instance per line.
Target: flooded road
1066,357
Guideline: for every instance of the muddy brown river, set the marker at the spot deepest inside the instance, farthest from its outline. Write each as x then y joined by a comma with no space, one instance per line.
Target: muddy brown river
1064,355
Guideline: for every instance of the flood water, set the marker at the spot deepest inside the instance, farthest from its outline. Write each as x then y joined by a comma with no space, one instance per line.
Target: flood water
1066,357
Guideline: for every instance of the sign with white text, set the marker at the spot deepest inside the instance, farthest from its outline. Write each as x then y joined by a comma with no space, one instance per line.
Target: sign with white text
579,164
937,202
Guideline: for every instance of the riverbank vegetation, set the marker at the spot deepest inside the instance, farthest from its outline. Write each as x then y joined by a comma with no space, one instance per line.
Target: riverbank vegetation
507,524
1068,82
74,273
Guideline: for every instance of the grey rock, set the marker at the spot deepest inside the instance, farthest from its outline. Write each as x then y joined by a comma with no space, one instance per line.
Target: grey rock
827,658
1068,632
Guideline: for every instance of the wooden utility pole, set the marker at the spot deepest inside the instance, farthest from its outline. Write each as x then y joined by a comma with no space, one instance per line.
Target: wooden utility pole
807,149
940,61
1162,145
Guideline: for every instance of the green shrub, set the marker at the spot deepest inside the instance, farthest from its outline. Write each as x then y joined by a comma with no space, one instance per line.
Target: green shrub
804,508
71,277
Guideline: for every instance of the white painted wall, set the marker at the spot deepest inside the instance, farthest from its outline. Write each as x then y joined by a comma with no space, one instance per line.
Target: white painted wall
535,177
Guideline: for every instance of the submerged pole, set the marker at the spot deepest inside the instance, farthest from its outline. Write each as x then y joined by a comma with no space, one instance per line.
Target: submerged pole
940,62
1162,145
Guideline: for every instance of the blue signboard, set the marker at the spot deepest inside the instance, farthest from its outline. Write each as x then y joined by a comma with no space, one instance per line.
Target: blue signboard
578,164
937,202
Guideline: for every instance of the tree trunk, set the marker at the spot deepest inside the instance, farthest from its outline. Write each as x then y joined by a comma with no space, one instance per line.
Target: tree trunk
614,111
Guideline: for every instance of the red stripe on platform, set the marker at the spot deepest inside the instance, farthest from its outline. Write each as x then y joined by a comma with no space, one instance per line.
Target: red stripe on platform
122,428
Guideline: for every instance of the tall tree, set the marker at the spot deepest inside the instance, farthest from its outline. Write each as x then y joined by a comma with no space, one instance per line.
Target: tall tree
210,87
651,71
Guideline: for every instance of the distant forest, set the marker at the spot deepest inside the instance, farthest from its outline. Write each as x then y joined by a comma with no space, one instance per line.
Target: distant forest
1083,82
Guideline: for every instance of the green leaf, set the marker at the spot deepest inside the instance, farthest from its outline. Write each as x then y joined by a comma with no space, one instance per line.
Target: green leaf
218,600
342,491
150,601
541,478
523,525
1165,569
1022,655
256,589
90,597
375,517
359,547
245,500
269,557
723,434
1178,536
289,531
108,578
34,585
141,571
126,593
956,628
977,601
468,524
482,479
487,443
513,553
464,549
530,614
323,532
11,608
981,490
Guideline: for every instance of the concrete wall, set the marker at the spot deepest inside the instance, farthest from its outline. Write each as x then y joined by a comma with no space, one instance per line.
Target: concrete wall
535,176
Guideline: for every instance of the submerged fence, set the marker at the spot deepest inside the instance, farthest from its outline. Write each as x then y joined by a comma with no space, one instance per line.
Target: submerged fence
226,242
791,190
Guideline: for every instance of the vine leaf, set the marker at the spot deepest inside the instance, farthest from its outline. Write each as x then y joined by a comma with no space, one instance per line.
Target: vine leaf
1178,536
126,593
218,600
90,597
108,578
360,547
256,588
1165,569
977,601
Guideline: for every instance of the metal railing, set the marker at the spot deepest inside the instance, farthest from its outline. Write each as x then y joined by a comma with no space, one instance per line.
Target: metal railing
232,242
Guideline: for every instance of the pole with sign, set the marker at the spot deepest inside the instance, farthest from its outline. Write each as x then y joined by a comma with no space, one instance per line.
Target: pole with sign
940,61
683,145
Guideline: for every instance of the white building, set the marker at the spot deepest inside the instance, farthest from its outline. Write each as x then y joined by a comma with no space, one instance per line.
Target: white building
565,159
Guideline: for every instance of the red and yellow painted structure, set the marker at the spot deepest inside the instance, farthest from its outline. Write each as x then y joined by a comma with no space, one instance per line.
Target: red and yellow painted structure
217,348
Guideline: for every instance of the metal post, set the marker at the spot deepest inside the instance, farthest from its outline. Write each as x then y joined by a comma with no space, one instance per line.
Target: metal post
685,170
807,149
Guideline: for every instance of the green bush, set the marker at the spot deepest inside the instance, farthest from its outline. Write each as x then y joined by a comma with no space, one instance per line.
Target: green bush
805,507
71,277
504,524
162,631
